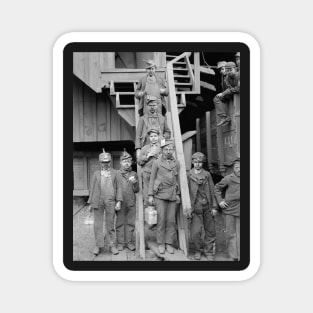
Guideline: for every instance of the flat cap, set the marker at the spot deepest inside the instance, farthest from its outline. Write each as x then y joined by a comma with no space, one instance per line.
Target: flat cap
198,156
150,63
237,160
230,64
150,99
167,142
221,64
153,129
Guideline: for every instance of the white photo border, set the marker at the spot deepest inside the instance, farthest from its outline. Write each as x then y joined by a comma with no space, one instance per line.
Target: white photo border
58,48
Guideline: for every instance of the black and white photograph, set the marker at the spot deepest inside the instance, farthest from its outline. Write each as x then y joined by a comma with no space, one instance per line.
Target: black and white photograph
156,156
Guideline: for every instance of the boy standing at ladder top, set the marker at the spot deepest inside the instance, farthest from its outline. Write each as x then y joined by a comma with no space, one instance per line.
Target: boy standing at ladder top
231,209
164,191
125,221
204,207
105,195
147,156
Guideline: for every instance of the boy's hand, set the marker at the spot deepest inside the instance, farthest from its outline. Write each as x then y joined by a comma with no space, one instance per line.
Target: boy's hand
133,179
223,204
151,200
118,206
213,212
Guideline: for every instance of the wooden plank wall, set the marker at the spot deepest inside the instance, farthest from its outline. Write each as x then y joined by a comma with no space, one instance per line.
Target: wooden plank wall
95,117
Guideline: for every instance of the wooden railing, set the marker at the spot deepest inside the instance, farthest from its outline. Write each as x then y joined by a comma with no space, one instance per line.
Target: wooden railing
185,199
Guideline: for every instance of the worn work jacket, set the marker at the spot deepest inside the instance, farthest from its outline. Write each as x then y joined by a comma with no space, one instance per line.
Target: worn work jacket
231,185
128,188
203,179
146,162
143,126
95,188
164,179
232,84
161,84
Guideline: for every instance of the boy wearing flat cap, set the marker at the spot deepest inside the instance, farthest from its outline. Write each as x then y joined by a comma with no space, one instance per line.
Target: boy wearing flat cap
105,196
230,205
164,191
125,217
204,207
148,154
151,85
151,119
232,86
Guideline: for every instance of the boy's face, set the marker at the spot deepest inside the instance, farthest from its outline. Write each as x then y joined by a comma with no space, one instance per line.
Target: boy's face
151,71
154,137
127,163
168,151
105,165
237,169
197,164
222,70
152,107
230,71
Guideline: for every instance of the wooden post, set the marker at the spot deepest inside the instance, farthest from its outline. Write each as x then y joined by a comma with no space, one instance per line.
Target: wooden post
209,139
220,149
198,136
185,199
140,236
196,57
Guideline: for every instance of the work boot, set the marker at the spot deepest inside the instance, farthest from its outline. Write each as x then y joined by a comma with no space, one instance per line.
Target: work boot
209,256
96,251
223,121
161,249
197,255
131,246
114,250
169,248
120,247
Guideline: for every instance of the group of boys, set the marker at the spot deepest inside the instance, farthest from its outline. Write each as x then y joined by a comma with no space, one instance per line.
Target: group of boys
113,191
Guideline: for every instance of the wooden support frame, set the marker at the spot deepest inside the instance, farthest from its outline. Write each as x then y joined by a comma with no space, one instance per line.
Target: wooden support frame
140,236
198,136
209,139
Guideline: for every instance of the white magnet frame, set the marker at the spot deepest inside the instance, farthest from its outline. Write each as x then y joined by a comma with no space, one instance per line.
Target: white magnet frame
59,267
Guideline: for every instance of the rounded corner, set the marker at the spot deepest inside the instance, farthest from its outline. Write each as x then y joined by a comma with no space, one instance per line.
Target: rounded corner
64,41
250,271
63,271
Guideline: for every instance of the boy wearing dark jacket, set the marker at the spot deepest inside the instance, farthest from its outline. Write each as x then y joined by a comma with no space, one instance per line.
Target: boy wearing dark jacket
231,209
125,220
204,207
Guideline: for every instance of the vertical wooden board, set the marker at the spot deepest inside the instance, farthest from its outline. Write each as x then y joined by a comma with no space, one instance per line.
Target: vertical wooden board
108,104
79,169
160,59
127,132
198,134
208,138
93,165
94,71
107,60
101,118
187,146
76,106
89,115
115,124
79,64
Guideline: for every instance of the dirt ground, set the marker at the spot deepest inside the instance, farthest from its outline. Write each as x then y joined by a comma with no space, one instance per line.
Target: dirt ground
83,241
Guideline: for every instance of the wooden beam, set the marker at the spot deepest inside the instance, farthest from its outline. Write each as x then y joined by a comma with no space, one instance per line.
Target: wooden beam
198,142
206,70
207,86
196,62
140,236
209,139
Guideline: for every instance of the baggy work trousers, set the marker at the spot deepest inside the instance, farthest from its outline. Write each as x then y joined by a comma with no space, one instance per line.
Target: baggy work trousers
125,223
220,106
203,220
166,221
109,208
232,225
145,187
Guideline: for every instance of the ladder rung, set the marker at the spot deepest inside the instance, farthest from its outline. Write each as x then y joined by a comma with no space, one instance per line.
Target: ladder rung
181,76
182,84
